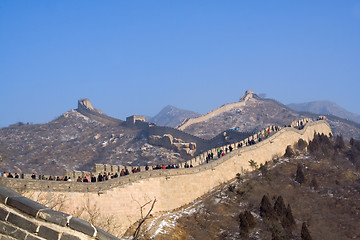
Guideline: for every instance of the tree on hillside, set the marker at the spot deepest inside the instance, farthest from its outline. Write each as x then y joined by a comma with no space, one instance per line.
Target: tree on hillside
288,221
265,171
305,234
266,210
142,219
321,146
279,207
300,177
301,144
339,142
355,143
247,222
253,164
289,152
354,153
314,184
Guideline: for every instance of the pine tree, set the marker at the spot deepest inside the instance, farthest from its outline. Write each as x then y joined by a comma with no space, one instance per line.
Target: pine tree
305,234
266,210
301,144
339,142
279,207
300,177
247,222
314,184
289,152
288,221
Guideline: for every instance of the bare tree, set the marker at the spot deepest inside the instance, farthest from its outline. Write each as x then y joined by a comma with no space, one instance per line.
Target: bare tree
142,220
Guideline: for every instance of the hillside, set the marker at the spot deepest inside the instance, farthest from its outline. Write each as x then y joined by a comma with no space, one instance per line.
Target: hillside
325,107
80,138
171,116
319,187
74,141
253,113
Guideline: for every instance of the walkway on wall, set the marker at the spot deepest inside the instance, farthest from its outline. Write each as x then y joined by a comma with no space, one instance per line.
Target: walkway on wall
219,155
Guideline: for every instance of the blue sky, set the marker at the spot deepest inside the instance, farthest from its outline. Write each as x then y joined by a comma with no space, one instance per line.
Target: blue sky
136,57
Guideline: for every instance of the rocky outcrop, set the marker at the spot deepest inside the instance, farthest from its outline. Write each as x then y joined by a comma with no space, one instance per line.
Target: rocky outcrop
168,141
87,109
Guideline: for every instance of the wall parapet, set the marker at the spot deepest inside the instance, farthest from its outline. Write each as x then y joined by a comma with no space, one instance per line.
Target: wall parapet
198,165
23,218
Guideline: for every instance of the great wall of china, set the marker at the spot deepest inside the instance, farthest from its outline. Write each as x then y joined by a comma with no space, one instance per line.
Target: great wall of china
120,199
247,96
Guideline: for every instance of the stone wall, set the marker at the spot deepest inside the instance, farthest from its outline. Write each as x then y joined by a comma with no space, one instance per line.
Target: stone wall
22,218
248,96
121,198
202,145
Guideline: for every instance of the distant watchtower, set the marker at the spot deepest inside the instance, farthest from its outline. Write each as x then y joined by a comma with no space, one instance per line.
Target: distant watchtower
134,118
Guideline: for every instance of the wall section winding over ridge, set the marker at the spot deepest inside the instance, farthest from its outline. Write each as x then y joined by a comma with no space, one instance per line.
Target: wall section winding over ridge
121,198
189,121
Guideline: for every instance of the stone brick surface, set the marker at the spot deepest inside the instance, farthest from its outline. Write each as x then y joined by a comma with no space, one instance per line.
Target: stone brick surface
102,235
33,237
22,223
54,216
81,226
66,236
7,192
3,237
11,231
48,233
3,214
26,205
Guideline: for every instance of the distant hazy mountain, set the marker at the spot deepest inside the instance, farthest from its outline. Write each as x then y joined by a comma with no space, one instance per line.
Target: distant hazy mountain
171,116
325,107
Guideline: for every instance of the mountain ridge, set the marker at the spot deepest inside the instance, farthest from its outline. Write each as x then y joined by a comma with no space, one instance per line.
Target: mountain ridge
171,116
325,107
75,141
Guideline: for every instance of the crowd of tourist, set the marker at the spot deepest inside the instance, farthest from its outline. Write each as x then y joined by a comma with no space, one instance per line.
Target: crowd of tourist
9,175
101,177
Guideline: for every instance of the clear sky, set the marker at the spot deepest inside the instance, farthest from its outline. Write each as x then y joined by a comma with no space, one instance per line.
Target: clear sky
136,57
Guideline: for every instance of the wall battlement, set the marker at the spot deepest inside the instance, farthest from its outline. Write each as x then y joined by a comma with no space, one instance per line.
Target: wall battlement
120,198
